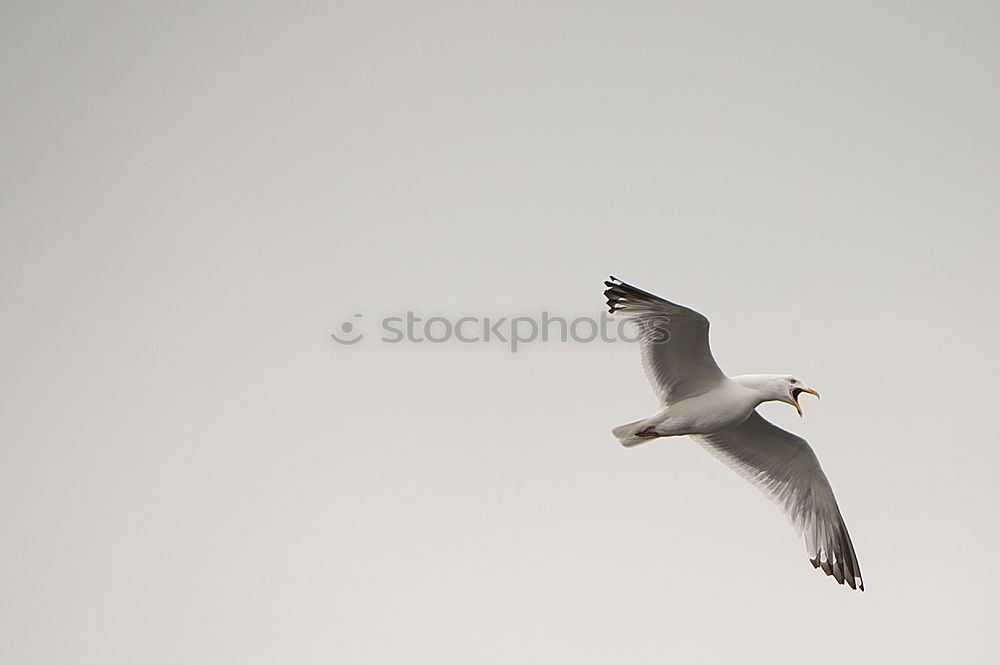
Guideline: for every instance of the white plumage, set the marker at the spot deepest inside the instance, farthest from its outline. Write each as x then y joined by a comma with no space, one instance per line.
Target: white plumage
719,411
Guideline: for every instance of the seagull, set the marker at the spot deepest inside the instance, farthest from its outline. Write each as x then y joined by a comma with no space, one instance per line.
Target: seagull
720,412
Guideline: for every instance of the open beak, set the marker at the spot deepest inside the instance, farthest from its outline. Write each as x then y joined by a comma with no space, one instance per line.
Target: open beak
795,397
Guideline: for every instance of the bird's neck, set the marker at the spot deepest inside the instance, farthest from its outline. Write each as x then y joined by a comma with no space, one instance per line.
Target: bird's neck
764,385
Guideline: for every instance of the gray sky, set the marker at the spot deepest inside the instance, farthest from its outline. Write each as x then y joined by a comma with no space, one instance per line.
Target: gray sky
195,196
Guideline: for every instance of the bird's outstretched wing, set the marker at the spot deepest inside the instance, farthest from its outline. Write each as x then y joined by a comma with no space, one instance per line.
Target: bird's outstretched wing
785,468
673,339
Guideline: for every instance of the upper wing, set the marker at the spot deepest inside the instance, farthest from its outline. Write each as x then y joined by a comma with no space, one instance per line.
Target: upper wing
784,467
673,341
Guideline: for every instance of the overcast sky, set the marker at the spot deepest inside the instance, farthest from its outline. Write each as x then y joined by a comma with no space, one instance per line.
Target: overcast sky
196,195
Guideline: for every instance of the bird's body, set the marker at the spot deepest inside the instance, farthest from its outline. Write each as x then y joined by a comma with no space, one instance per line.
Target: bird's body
699,400
725,406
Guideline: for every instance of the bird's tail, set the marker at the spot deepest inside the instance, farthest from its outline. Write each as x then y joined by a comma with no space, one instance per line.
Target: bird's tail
628,435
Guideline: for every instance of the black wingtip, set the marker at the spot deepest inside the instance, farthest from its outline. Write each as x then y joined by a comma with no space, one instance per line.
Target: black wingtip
846,577
613,296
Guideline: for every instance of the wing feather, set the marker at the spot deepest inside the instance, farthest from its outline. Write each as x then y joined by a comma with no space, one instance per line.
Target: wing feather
673,340
785,468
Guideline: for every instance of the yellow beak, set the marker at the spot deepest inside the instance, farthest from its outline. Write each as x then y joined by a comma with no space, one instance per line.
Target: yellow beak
795,397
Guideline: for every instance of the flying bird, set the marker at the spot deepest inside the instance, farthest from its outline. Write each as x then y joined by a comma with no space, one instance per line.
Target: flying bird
720,412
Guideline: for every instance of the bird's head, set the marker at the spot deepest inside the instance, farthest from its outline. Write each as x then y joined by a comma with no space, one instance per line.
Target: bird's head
788,388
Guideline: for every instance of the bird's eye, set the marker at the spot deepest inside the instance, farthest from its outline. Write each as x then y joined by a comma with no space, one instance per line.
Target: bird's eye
794,381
